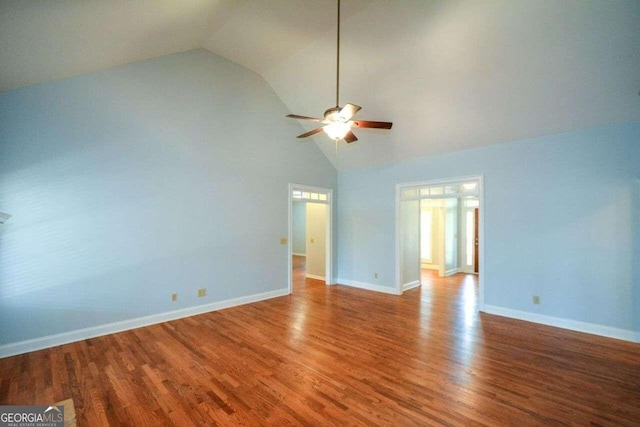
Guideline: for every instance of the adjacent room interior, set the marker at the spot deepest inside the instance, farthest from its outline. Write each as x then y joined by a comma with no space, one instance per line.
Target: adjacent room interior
186,239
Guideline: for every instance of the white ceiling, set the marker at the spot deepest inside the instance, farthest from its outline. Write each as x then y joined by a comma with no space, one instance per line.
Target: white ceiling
451,75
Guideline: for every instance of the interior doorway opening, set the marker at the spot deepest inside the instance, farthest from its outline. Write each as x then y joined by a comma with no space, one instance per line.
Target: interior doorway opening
449,235
439,231
309,240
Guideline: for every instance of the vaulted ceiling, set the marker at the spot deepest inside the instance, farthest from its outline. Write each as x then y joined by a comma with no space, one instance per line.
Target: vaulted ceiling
451,75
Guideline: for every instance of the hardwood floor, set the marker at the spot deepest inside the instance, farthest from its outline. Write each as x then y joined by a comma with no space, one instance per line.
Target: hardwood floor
339,356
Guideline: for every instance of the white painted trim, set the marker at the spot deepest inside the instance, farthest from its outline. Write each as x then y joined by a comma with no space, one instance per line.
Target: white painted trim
297,254
410,285
368,286
329,229
558,322
27,346
329,239
451,272
443,181
289,250
398,284
429,266
313,276
479,194
481,246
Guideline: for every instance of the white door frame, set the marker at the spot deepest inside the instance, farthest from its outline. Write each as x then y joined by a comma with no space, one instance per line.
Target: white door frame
329,233
444,181
464,234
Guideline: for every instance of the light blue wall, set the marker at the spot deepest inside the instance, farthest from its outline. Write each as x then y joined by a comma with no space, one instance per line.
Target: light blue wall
299,224
131,183
561,221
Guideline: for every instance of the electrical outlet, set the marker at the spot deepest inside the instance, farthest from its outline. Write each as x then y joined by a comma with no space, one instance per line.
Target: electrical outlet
536,299
312,240
174,297
375,275
283,240
202,292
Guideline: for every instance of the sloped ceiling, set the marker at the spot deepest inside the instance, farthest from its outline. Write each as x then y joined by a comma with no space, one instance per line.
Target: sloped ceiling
451,75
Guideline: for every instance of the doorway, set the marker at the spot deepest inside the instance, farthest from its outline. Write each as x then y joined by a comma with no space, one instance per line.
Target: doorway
469,235
447,215
310,240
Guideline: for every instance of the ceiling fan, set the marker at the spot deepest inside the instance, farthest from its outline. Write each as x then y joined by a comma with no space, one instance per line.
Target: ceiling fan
338,120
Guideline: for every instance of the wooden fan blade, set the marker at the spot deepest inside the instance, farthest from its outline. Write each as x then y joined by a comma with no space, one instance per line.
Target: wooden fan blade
370,124
350,137
313,119
348,111
311,132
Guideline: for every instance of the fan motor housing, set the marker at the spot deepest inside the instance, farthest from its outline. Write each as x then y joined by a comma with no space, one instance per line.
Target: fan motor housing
333,114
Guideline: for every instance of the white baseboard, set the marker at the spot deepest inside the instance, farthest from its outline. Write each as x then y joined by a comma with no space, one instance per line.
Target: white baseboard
451,272
558,322
27,346
297,254
410,285
368,286
313,276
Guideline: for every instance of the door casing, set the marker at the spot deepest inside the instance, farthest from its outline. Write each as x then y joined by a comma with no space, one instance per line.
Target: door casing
481,213
329,280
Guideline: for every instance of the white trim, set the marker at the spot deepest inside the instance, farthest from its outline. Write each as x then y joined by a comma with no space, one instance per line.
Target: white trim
368,286
289,250
479,194
437,182
398,285
481,269
464,233
27,346
451,272
297,254
313,276
329,230
558,322
410,285
329,240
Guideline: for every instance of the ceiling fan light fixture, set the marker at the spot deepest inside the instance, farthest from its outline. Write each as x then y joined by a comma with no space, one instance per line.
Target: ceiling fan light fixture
333,115
336,130
338,121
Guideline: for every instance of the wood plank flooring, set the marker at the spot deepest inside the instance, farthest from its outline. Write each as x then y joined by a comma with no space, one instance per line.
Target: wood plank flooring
339,356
